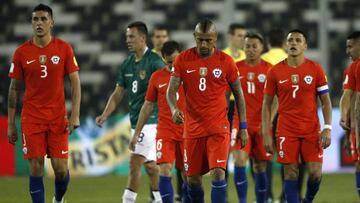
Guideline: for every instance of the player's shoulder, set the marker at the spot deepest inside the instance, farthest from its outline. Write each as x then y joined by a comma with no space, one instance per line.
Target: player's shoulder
240,63
265,64
23,47
312,63
188,55
151,55
159,73
223,56
280,65
60,42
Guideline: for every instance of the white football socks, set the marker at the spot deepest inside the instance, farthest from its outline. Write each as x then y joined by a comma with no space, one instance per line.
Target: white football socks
129,196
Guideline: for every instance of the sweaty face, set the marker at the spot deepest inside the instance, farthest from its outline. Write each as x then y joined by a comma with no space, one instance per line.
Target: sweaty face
253,48
237,39
159,38
353,48
295,44
134,39
169,59
205,42
42,23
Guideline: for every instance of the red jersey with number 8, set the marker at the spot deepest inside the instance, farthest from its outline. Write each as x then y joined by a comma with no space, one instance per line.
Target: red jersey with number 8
205,81
43,71
297,90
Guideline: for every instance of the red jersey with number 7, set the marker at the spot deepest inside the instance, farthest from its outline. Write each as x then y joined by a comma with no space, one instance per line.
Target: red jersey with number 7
297,89
205,81
43,71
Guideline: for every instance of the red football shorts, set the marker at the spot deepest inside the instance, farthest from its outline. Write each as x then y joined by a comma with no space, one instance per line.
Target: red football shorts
290,149
45,139
354,148
255,146
205,153
170,150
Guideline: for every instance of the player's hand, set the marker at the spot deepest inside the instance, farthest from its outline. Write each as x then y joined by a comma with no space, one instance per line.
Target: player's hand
347,143
268,143
12,134
325,138
243,137
345,123
74,123
133,142
178,116
100,120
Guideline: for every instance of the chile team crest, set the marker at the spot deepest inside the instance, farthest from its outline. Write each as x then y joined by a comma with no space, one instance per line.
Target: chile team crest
295,78
250,76
42,59
203,71
217,72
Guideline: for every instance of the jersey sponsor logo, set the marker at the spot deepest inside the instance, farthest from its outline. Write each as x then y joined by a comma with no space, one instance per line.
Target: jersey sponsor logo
55,59
142,74
203,71
12,68
250,76
64,152
162,85
282,81
220,161
29,62
261,77
217,72
42,59
295,78
190,71
308,79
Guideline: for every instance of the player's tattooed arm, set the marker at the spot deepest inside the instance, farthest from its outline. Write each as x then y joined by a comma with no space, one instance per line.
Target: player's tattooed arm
177,115
239,100
14,91
357,116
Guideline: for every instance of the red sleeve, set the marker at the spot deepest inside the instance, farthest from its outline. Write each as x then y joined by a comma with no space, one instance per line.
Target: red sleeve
349,81
270,83
71,64
233,72
176,69
151,93
357,76
16,70
321,79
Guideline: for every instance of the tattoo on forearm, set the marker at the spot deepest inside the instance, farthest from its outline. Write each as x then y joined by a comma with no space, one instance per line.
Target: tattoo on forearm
239,97
171,95
14,89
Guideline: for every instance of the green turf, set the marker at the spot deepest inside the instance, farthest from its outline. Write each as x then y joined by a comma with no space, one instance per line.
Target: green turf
335,188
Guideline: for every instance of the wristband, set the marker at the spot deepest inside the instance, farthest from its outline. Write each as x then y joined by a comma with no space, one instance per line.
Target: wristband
327,126
242,125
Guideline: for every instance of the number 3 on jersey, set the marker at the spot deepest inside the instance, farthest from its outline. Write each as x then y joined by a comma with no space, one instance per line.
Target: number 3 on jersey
202,84
43,71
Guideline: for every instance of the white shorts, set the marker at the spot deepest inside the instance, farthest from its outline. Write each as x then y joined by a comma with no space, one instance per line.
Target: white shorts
146,144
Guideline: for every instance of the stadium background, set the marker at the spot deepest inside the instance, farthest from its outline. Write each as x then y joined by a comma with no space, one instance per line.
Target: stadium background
96,30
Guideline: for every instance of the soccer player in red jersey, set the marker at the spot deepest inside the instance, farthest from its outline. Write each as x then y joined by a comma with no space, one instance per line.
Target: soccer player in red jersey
297,82
347,101
42,64
206,72
169,136
253,72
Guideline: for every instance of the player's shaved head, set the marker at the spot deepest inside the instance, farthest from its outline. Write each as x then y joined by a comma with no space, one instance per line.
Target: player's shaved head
205,26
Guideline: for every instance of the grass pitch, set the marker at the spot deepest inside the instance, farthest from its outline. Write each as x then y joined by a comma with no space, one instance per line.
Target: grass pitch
335,188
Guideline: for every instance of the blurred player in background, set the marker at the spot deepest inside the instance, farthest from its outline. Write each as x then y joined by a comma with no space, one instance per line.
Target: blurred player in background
236,36
206,73
134,75
160,35
347,101
297,82
169,136
42,64
253,72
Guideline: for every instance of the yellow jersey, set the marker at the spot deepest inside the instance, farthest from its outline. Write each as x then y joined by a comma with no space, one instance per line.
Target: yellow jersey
274,56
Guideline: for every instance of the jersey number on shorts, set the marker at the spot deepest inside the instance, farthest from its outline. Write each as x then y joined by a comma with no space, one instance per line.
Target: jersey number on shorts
43,71
296,88
134,86
202,84
251,87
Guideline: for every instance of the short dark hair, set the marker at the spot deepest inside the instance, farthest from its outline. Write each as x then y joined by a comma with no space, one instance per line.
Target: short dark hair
43,7
276,37
234,26
354,35
170,47
205,25
298,31
160,27
255,35
140,26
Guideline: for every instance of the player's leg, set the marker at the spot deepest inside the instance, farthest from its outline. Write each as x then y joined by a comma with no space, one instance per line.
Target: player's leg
356,159
291,173
195,189
259,167
217,155
153,171
62,178
240,180
312,154
34,149
165,186
179,165
357,174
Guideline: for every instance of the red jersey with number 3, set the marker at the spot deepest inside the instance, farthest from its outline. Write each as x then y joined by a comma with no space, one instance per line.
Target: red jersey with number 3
43,71
252,80
352,76
297,90
205,81
156,92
